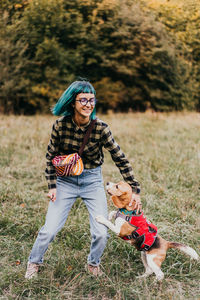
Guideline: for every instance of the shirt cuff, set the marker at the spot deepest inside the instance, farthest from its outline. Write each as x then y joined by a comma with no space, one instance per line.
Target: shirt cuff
51,186
136,190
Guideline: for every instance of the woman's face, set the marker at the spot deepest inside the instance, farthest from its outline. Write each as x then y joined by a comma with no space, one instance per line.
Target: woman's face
84,104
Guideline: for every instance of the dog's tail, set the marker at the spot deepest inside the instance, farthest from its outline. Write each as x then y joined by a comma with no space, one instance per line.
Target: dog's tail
186,249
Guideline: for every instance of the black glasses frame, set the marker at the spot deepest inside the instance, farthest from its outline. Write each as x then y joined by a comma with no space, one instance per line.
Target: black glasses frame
84,101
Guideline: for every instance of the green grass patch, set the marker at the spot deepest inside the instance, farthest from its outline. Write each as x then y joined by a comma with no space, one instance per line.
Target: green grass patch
164,150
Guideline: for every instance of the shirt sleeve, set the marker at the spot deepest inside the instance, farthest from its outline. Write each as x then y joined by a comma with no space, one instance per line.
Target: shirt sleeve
120,160
52,151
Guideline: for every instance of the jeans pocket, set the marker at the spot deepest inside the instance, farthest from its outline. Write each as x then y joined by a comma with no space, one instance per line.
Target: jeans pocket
92,176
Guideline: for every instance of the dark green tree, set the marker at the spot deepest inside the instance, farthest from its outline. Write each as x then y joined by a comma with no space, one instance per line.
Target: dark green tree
14,64
126,52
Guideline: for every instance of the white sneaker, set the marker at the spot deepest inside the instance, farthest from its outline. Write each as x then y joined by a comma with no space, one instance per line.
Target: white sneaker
32,270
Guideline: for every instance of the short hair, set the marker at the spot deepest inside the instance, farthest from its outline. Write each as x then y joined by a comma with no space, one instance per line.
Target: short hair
64,105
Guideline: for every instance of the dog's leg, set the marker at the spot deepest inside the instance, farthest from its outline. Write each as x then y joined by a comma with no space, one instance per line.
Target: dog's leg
148,270
107,223
155,268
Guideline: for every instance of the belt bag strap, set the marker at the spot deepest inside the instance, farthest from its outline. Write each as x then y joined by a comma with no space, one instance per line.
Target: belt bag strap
86,137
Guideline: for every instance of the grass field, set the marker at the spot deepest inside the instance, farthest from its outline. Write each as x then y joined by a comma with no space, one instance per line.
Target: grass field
164,150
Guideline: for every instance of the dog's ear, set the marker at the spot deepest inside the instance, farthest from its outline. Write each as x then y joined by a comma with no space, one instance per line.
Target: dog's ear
116,201
114,198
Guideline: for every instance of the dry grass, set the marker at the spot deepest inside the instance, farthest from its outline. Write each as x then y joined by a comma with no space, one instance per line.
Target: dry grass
164,150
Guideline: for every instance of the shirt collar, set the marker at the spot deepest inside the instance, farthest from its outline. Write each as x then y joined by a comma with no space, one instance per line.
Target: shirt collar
82,128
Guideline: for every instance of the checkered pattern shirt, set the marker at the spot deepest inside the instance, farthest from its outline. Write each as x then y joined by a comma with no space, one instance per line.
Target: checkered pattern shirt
67,138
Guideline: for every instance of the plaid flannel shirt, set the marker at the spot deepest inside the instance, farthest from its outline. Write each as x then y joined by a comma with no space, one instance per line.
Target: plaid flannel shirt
67,138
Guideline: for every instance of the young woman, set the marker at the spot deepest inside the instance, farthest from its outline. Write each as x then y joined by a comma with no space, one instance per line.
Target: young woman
77,108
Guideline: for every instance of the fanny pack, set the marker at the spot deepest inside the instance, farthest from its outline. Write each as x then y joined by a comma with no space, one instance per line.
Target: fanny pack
72,164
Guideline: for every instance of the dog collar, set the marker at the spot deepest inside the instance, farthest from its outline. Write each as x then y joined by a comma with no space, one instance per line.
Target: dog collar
126,212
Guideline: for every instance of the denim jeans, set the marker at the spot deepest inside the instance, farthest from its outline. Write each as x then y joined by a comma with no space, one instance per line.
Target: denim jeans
88,186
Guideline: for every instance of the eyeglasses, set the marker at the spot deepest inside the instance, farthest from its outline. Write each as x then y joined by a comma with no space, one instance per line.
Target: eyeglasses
84,101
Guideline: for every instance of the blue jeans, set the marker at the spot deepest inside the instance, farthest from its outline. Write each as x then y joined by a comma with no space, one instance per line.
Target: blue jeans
88,186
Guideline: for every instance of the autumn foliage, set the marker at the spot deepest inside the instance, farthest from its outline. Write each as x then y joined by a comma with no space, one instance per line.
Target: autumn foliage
139,55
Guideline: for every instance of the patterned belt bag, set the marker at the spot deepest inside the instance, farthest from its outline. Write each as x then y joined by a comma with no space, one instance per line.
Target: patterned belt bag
72,164
68,165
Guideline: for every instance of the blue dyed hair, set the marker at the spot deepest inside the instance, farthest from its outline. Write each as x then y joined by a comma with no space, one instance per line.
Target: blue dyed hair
64,105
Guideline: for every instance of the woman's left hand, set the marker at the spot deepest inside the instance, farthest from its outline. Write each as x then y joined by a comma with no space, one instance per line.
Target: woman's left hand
138,204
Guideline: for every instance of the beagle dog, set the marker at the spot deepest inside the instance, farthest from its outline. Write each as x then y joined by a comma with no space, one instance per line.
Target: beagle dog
138,231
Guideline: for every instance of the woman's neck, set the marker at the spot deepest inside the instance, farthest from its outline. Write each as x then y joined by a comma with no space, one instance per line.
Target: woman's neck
80,120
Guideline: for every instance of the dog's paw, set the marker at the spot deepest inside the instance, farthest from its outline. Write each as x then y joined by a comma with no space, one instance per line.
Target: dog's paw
160,276
100,219
146,274
111,215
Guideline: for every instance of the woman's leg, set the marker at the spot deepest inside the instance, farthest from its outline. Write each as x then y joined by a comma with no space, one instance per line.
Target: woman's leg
93,194
55,219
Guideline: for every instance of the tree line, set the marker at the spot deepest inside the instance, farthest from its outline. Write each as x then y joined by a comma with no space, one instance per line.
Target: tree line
138,55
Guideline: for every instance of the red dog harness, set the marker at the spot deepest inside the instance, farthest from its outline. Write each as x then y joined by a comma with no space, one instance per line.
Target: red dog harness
143,228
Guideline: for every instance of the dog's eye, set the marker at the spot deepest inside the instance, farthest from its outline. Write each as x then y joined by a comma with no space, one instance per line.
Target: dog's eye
116,186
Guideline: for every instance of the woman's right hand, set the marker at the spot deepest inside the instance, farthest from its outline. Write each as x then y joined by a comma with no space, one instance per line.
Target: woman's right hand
52,195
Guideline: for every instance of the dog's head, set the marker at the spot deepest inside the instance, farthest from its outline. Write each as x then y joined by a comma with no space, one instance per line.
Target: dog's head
121,194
